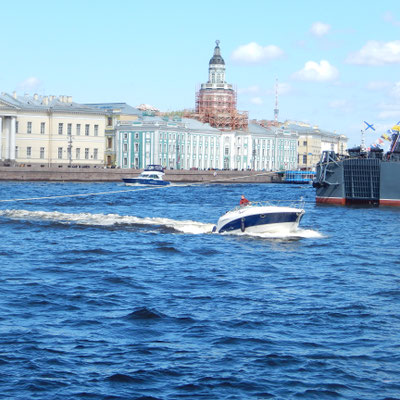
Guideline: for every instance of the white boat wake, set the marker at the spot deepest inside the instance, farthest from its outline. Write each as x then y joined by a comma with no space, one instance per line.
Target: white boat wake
283,234
115,220
108,220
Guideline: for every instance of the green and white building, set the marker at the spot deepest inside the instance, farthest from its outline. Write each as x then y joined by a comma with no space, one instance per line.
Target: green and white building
189,144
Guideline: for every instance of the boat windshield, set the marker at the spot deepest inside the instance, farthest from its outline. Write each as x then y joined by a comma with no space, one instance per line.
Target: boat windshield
273,203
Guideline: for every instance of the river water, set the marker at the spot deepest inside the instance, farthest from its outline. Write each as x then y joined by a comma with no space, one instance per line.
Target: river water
128,295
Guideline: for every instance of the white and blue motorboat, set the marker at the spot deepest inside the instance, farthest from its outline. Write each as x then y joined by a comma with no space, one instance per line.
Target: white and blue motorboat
152,175
261,217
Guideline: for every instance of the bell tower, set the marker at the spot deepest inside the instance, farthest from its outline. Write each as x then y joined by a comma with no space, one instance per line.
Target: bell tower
216,67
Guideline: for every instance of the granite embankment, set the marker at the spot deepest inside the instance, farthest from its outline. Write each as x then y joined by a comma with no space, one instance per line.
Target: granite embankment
34,173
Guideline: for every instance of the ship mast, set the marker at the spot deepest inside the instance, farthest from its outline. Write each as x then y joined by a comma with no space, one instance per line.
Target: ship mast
362,148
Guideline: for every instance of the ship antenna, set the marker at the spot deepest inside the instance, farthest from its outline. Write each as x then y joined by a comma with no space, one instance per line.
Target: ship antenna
362,141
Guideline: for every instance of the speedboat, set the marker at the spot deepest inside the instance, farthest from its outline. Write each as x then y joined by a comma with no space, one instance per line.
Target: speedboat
152,175
261,217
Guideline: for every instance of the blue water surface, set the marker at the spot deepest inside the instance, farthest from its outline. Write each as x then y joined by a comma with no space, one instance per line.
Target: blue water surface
100,302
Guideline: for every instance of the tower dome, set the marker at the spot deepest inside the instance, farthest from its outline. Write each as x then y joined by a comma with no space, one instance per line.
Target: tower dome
217,58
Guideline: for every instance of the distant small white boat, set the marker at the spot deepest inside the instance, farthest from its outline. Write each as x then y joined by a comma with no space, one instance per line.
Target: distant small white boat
152,175
260,217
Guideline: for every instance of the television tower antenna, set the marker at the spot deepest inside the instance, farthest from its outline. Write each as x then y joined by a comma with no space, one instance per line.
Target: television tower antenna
276,109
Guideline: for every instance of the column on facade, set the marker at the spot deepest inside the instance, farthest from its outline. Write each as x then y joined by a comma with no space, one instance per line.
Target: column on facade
12,137
156,147
191,163
7,128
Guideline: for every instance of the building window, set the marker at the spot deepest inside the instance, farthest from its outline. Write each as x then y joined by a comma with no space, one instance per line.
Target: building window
109,121
69,129
87,130
304,159
60,151
136,147
42,128
125,147
96,130
16,151
125,136
125,161
29,127
95,153
60,128
136,136
226,151
42,152
86,153
16,126
109,143
78,153
28,152
78,129
304,143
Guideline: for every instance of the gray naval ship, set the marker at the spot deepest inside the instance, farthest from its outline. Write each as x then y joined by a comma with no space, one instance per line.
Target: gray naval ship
362,177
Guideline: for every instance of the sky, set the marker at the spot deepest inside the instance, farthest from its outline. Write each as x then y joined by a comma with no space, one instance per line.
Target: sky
337,63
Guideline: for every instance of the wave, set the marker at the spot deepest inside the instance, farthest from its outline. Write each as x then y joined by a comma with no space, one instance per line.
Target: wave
109,220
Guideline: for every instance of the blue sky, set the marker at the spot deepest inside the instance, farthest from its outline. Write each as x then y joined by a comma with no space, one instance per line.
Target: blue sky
337,62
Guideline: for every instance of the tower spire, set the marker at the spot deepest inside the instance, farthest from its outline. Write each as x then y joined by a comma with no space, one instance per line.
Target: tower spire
276,109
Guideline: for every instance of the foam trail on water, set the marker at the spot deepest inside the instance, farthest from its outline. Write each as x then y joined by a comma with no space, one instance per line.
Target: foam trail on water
190,227
282,234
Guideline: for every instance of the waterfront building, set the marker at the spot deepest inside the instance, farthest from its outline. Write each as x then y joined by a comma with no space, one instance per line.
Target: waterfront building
174,143
313,141
114,114
183,143
273,148
50,131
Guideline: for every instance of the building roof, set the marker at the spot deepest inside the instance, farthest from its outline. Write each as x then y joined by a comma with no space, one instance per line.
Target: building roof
165,122
306,129
45,103
116,108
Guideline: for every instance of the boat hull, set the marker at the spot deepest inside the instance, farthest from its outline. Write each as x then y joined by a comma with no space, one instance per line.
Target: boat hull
146,182
358,181
260,220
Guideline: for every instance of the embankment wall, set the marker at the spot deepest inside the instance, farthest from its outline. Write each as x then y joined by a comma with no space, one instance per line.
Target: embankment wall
35,173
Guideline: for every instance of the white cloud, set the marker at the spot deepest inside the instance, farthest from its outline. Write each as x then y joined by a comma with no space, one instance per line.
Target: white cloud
254,53
391,111
319,29
30,84
283,88
249,89
393,114
256,100
376,53
378,85
313,71
340,104
389,17
395,91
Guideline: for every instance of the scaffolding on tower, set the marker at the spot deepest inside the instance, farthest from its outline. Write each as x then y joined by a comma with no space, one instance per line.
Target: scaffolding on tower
217,107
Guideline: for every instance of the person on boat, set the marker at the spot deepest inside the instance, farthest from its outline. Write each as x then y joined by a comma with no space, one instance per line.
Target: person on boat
243,201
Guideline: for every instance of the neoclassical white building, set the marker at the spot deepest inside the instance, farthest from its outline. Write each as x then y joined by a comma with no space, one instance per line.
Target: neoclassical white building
49,131
187,143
